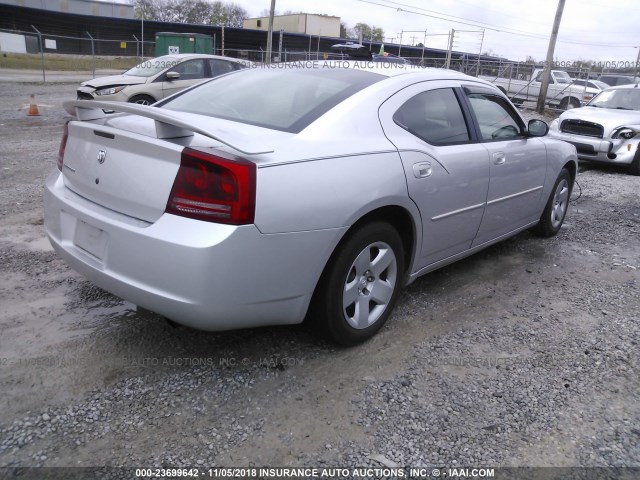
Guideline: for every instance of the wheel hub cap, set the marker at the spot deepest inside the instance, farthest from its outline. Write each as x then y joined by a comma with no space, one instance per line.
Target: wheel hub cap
369,285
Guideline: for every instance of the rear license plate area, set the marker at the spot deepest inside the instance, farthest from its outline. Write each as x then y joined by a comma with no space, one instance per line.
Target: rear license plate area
91,239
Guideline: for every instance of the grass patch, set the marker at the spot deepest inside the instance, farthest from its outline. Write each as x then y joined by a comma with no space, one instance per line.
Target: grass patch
67,63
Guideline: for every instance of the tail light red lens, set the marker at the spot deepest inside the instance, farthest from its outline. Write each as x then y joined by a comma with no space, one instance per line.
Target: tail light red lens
63,145
214,189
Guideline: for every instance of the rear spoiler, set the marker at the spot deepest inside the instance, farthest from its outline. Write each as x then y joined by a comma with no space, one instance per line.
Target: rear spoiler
167,125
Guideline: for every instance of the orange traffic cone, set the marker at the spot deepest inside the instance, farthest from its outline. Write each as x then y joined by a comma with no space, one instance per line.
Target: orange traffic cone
33,108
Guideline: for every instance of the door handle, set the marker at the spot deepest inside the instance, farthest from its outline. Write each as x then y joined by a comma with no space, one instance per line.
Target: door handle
499,158
422,169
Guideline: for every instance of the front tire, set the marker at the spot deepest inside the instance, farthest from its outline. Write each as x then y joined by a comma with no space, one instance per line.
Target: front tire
556,208
142,100
360,285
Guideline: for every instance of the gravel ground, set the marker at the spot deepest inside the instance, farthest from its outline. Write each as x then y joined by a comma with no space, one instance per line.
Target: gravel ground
525,354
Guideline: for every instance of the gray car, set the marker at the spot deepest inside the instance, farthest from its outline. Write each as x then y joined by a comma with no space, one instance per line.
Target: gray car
276,194
158,78
607,129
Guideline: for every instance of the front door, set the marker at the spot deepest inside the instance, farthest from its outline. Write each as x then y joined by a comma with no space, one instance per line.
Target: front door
191,72
517,166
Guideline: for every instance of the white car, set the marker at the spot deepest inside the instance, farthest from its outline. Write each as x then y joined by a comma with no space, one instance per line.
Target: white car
273,194
607,129
157,78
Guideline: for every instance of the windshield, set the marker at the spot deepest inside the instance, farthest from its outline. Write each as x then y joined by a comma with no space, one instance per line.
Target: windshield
280,98
591,84
153,66
621,98
562,77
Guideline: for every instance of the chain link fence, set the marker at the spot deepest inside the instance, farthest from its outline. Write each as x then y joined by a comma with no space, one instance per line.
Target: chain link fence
41,51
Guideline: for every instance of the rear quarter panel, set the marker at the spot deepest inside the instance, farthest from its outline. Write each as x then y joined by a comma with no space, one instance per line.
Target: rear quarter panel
329,192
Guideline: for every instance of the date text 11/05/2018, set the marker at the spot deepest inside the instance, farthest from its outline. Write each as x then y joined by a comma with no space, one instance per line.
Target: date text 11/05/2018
612,64
313,472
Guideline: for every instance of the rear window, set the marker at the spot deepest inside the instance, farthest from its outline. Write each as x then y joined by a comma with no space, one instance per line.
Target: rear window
280,99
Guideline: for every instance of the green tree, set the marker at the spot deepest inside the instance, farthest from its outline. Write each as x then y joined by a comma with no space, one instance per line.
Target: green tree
344,30
368,32
191,11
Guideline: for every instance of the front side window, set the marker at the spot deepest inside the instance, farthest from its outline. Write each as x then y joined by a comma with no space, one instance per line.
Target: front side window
495,118
434,116
540,77
562,77
190,70
152,67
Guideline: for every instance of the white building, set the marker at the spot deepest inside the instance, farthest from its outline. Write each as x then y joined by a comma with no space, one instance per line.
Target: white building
307,23
98,8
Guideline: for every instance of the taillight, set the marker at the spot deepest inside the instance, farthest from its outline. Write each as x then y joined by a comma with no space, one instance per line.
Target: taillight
214,189
63,144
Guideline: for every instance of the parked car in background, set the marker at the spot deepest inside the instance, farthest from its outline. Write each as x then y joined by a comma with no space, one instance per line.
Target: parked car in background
607,129
269,195
594,84
615,80
352,51
388,58
562,93
157,78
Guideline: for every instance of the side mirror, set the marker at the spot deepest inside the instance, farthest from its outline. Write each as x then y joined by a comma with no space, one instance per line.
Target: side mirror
537,128
172,76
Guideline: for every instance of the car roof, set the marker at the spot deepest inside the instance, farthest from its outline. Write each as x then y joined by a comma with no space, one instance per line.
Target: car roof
386,69
614,75
627,86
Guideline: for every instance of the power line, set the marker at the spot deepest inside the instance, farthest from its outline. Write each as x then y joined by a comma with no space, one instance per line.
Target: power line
489,26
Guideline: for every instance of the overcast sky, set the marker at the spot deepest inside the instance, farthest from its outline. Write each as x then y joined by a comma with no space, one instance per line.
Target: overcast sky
590,29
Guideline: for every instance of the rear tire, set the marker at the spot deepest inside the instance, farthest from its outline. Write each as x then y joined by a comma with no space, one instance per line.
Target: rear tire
142,100
360,286
556,208
634,168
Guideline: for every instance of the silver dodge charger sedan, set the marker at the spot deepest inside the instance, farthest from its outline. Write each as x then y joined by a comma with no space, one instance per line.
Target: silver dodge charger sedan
271,195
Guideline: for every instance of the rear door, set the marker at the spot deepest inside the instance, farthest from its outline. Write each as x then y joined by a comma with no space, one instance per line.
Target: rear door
447,172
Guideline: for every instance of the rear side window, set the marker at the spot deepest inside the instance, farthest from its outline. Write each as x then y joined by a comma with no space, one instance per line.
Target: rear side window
434,116
284,98
220,67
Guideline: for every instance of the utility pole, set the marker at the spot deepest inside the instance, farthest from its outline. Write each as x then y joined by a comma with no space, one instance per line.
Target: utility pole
542,98
270,32
451,36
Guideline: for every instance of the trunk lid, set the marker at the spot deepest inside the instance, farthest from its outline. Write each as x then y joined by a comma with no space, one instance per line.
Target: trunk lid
128,162
120,170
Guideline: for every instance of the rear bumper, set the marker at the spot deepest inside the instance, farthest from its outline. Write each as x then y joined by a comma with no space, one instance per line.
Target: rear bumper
599,150
204,275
